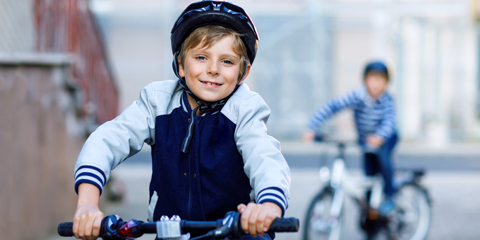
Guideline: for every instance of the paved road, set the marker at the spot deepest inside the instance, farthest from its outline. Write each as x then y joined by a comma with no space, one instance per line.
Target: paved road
430,162
453,182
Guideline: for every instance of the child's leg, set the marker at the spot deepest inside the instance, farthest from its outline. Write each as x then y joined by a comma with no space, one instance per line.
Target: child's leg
384,157
371,165
371,168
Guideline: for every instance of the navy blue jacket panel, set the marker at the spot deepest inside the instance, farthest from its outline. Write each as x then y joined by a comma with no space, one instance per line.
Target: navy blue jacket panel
208,180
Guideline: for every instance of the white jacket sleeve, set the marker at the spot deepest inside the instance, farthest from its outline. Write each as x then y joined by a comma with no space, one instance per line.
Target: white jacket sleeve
264,164
114,141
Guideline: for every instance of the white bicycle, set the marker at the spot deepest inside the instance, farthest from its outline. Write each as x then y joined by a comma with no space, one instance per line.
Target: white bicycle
410,220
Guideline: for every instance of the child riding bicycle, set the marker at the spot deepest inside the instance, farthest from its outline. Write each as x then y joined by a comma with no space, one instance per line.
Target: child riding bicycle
210,150
374,113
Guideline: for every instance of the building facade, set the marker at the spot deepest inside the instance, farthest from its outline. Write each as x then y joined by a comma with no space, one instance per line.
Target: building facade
311,51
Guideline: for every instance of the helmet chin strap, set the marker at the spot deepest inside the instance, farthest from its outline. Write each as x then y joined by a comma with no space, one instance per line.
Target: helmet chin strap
203,106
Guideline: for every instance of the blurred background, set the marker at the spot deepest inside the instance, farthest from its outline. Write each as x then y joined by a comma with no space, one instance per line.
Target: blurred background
67,66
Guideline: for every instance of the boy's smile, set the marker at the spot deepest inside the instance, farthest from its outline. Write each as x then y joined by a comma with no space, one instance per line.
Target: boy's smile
212,73
211,84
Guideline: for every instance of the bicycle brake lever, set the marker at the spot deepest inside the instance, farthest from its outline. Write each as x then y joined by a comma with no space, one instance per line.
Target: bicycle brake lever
109,227
228,226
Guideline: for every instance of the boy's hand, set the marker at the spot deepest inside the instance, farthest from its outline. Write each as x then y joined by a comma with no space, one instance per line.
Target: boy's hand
88,217
86,223
374,140
256,218
308,136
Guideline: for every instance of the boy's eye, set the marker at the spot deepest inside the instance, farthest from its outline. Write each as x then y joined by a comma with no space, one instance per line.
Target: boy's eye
200,57
228,62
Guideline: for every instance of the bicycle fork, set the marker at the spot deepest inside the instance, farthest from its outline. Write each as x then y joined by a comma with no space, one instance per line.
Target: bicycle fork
338,192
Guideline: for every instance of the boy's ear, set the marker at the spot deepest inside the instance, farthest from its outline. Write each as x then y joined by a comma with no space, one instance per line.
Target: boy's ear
246,74
181,72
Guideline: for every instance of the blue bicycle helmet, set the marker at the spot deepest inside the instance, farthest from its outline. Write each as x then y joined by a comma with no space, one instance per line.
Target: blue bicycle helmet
378,67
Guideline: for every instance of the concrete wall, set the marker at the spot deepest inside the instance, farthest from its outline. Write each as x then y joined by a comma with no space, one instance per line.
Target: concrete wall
17,32
56,86
39,142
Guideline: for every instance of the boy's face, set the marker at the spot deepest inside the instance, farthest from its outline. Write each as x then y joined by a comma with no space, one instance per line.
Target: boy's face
212,73
376,84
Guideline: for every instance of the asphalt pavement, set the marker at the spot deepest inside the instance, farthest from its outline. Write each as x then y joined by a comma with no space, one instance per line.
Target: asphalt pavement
453,180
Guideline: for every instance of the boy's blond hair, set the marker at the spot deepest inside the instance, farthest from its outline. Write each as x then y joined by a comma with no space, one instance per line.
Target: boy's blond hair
207,36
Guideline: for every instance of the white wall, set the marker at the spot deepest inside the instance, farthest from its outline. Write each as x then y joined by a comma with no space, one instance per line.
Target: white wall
311,51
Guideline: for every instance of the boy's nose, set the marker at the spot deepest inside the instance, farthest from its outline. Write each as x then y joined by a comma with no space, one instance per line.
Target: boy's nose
213,69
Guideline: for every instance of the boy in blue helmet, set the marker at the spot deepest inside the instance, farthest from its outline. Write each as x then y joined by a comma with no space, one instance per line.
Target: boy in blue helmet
210,150
374,112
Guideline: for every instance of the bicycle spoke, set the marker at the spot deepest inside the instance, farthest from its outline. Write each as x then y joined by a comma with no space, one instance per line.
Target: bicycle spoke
413,214
320,224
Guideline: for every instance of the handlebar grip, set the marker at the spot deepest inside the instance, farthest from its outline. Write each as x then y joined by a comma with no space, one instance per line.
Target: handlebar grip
318,138
65,229
285,225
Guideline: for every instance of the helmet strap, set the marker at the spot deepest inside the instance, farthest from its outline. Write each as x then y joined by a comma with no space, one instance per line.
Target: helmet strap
175,64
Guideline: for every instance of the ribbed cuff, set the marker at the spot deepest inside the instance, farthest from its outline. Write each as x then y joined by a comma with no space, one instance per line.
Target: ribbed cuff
275,195
90,174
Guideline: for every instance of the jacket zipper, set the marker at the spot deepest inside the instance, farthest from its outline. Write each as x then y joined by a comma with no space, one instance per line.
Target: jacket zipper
189,207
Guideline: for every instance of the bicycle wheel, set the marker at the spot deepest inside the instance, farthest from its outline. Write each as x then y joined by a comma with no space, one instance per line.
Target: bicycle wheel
411,220
319,224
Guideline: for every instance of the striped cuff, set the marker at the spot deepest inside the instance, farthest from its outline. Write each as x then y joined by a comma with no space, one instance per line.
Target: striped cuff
383,134
275,195
90,174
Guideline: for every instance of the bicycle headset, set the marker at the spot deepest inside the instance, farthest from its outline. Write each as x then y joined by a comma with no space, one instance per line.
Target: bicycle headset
202,14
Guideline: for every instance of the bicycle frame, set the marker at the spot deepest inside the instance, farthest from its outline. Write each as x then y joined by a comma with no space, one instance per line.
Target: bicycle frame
408,220
343,183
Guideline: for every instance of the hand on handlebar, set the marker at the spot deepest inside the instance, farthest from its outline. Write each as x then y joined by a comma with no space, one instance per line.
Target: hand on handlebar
88,217
308,136
257,218
87,221
374,140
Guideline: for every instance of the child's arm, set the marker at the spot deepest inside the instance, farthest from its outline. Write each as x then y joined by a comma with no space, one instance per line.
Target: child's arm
328,110
116,140
264,165
87,219
388,125
107,147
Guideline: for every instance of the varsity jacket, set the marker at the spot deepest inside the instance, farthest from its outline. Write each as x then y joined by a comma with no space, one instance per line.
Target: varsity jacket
231,159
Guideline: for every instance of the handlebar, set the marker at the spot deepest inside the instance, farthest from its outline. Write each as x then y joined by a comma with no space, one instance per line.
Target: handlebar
340,144
114,228
339,141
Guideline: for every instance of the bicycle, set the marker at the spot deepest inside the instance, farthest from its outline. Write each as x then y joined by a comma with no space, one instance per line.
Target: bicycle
174,228
410,219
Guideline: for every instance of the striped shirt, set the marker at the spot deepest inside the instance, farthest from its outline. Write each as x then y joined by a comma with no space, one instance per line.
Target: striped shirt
372,116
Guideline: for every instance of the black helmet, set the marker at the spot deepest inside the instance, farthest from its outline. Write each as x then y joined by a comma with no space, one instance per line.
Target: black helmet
221,13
